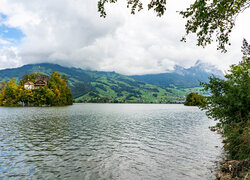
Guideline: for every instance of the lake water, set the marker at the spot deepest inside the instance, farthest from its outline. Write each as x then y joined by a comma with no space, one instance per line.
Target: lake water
108,141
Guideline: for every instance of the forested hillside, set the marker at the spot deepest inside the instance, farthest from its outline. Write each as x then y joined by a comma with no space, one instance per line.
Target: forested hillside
97,86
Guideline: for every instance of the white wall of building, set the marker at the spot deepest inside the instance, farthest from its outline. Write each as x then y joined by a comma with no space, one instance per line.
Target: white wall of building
26,86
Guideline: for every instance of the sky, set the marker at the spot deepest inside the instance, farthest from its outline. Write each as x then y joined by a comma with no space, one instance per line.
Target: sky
72,33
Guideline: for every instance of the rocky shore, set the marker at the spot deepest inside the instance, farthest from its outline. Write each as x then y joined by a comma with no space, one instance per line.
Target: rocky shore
234,169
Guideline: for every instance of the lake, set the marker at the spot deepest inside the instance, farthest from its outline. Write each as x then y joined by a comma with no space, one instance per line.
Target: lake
108,141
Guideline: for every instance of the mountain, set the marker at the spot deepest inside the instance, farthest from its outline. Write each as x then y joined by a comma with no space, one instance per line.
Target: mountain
74,75
182,77
91,86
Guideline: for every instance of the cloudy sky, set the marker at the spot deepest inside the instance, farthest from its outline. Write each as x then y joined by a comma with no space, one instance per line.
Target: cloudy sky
71,33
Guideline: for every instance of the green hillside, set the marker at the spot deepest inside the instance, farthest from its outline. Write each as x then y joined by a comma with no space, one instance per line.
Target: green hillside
96,86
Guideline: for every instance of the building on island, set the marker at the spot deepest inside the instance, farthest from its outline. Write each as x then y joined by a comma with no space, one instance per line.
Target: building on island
40,81
29,85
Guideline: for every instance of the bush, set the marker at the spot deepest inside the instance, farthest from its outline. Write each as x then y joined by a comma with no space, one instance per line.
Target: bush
229,104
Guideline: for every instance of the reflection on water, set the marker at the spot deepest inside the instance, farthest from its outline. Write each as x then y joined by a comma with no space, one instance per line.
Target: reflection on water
107,141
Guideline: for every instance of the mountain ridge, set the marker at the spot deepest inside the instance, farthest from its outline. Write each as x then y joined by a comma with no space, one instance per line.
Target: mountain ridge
87,85
182,77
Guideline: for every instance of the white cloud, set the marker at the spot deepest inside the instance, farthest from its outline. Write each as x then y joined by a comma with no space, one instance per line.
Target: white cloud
72,33
4,42
9,57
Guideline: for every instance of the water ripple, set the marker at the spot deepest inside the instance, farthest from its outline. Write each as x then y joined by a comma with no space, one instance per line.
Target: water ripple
107,141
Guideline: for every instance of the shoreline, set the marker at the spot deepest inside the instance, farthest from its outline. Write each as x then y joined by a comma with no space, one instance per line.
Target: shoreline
231,169
234,169
31,105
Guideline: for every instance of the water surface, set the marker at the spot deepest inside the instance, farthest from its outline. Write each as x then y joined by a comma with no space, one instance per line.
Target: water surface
107,141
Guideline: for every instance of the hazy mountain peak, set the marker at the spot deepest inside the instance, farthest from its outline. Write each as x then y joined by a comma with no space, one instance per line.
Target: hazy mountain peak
207,68
179,70
198,62
200,68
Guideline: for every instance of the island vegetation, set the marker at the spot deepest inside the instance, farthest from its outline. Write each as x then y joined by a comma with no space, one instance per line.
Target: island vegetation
36,89
195,99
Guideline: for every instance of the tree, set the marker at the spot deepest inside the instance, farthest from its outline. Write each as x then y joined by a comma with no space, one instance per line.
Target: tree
204,17
229,104
194,99
9,93
31,77
59,90
56,93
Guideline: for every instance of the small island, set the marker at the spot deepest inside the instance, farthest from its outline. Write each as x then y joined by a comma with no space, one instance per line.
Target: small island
36,89
194,99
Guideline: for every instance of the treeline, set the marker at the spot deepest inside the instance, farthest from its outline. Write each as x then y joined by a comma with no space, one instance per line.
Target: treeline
195,99
229,104
56,93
